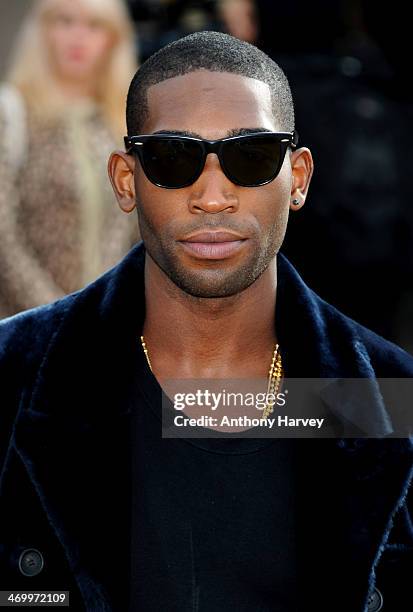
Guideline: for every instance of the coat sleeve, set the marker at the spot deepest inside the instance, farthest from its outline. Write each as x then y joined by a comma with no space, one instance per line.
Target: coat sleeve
23,282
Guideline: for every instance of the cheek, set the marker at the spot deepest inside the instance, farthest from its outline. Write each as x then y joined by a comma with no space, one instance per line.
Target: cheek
272,205
58,41
99,45
153,204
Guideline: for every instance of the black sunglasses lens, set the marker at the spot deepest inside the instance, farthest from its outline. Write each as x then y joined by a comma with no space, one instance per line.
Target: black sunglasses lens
172,162
252,161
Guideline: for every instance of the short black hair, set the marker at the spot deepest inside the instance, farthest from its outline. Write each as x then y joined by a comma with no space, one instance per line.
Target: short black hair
214,51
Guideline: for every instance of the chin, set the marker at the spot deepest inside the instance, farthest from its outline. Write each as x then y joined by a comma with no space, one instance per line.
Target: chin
200,286
77,71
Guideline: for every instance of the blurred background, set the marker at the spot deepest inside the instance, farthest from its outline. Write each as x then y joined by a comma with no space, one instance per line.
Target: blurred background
348,66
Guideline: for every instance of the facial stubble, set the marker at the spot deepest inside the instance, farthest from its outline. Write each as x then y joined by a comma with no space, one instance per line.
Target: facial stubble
213,279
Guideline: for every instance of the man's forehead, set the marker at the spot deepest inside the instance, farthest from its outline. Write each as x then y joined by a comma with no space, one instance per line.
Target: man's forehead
206,79
209,99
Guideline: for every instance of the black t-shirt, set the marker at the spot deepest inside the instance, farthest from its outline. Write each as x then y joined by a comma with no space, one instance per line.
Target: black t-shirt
213,520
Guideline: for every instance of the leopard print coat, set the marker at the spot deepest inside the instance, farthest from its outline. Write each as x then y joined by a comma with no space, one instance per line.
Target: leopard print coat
60,226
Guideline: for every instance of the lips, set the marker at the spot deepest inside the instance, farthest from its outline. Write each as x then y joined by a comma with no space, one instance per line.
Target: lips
76,54
213,245
217,236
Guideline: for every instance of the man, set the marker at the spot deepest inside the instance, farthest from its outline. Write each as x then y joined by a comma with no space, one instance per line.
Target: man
210,525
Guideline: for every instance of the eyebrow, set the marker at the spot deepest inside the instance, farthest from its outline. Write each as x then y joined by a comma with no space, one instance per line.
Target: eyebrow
231,133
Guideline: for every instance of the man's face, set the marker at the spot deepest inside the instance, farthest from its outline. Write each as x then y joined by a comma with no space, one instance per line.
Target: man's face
212,105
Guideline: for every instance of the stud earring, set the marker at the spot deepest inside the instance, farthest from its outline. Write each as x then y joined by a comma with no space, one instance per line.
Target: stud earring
296,202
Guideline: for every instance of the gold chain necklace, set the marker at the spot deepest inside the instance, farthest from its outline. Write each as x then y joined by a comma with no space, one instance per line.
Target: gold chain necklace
274,376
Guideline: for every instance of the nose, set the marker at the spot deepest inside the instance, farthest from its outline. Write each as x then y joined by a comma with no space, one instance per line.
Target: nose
80,31
213,192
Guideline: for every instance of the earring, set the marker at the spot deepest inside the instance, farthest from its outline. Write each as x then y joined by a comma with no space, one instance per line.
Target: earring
296,202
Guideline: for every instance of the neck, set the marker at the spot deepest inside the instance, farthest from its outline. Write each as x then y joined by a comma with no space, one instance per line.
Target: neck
189,337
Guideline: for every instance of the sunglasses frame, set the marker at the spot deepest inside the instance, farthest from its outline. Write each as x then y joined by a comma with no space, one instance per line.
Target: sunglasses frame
134,144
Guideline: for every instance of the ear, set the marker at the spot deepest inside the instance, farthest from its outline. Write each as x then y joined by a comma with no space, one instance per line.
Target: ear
302,167
121,169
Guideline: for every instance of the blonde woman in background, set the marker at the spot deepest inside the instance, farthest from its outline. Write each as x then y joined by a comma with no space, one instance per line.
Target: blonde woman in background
61,114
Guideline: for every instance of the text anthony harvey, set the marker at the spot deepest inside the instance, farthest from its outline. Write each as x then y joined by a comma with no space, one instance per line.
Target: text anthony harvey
245,421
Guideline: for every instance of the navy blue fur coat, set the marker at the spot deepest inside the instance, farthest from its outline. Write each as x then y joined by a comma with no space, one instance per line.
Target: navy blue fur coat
65,372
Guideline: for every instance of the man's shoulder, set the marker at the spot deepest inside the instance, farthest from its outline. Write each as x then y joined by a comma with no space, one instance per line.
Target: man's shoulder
336,341
30,331
387,358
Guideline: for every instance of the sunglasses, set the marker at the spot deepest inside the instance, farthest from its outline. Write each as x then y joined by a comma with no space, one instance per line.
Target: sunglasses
174,162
